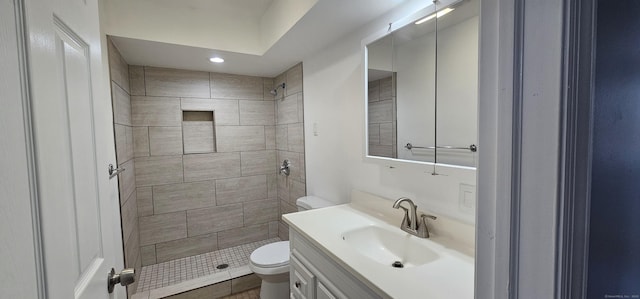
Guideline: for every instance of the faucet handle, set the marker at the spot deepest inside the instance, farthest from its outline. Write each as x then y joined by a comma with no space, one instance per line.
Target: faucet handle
423,230
424,216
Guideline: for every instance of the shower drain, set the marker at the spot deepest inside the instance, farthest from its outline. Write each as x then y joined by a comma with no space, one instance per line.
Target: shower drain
222,266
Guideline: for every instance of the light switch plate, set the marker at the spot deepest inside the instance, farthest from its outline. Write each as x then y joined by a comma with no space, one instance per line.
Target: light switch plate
467,198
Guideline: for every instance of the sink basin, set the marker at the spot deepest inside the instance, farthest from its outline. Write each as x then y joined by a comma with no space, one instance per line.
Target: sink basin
389,247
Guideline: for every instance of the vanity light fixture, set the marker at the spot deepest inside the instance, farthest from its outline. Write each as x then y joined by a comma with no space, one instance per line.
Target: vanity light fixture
216,59
435,15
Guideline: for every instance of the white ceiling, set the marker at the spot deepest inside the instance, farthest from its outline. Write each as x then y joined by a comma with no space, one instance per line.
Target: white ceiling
323,24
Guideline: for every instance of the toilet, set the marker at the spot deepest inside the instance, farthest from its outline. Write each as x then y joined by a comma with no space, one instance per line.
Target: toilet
271,262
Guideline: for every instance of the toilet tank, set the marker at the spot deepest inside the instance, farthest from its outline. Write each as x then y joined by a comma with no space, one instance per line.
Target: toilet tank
312,202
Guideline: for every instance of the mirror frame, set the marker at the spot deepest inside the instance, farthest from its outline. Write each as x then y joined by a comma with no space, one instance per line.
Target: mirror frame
394,26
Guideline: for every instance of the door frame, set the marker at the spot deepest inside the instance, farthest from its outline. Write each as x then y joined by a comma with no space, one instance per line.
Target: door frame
28,221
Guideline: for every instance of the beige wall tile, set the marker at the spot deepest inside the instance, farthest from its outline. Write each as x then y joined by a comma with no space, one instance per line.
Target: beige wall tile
129,216
213,291
132,247
257,113
297,189
200,167
386,134
302,174
120,135
374,134
176,83
295,137
272,185
155,111
267,84
273,229
282,78
283,231
227,86
300,108
140,141
381,150
236,190
294,79
136,80
243,235
214,219
186,247
282,142
381,111
198,137
259,162
374,91
283,188
240,138
148,255
121,105
183,196
145,201
225,112
127,180
296,162
165,141
270,137
162,228
118,68
386,88
243,283
260,211
287,110
158,170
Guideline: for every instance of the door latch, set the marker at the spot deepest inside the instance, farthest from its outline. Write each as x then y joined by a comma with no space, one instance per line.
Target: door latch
124,278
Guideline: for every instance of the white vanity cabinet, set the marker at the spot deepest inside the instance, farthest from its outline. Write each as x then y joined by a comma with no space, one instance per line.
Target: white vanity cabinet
314,275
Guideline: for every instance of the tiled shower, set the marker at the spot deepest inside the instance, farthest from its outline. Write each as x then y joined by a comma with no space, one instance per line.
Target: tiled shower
201,152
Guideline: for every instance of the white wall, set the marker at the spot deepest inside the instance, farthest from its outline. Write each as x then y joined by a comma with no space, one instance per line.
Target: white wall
334,90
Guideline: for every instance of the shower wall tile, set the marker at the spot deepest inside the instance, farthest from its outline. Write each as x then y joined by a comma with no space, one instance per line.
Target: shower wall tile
297,189
270,137
296,166
257,113
132,248
243,235
260,211
273,228
287,110
155,111
127,180
118,68
272,186
295,137
267,84
214,219
374,91
381,111
163,227
144,197
148,255
165,141
225,112
240,138
140,141
129,215
200,167
121,102
183,196
227,86
176,83
259,162
198,137
158,170
283,188
236,190
121,142
386,88
300,108
136,80
283,231
374,133
294,79
386,134
282,142
186,247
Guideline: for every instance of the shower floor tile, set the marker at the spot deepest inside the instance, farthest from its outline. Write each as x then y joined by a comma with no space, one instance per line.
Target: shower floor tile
192,267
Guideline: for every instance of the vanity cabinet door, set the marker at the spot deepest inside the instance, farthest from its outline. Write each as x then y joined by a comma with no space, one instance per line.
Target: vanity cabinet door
322,292
302,281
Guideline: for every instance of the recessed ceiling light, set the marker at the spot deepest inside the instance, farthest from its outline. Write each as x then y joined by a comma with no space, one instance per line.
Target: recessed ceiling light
439,14
216,59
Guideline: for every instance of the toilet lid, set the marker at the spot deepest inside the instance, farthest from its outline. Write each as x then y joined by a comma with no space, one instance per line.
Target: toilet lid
271,255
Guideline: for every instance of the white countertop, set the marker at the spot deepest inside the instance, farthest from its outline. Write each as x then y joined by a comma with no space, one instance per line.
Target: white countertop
450,276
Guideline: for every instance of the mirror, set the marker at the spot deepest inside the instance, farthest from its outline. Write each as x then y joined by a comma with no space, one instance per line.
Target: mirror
422,81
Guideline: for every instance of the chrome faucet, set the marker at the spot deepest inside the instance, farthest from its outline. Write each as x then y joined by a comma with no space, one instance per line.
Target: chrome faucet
410,222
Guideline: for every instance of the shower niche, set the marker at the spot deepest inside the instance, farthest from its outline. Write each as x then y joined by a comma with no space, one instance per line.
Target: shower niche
198,132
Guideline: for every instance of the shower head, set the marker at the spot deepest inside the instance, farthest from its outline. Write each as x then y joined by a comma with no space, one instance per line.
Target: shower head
274,91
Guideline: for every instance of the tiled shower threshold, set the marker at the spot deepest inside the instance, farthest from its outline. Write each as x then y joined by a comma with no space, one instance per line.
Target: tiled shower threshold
193,272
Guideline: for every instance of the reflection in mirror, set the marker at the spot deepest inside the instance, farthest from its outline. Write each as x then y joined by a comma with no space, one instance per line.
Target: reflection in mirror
422,81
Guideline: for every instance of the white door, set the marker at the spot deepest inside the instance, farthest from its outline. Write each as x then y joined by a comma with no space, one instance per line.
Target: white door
74,144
